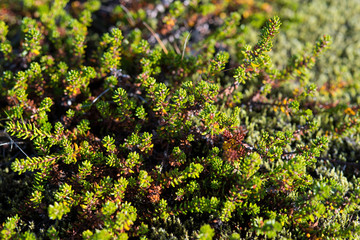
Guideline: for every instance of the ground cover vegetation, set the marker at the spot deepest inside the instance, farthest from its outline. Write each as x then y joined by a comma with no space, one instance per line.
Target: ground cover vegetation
179,120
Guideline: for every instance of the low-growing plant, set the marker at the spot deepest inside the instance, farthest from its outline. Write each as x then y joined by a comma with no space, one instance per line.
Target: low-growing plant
126,137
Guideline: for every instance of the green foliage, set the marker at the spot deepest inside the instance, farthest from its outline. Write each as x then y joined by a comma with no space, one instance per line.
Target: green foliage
8,227
174,124
206,232
269,227
5,45
57,210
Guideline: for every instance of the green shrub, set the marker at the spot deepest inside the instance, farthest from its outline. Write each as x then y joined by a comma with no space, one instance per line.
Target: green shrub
151,130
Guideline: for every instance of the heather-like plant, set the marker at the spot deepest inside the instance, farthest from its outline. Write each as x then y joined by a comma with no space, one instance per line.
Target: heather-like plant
126,137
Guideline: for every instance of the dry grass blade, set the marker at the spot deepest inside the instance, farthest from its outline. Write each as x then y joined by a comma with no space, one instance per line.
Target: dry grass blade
156,37
12,142
186,40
